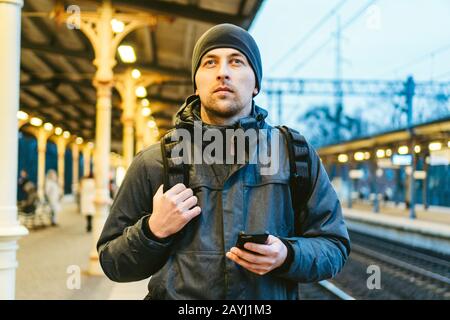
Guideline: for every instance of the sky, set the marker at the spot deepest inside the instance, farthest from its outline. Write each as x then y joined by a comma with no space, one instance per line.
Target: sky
386,37
388,40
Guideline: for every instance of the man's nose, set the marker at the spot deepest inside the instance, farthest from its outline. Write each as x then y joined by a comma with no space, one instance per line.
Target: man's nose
223,73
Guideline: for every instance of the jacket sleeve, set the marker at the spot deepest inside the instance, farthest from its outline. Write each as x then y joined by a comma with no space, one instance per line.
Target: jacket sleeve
324,245
126,251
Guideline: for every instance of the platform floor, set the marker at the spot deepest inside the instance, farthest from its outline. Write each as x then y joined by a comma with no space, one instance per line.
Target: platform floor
440,215
45,255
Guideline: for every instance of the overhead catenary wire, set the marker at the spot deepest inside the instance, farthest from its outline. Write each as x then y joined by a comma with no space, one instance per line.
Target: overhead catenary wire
308,35
421,58
443,75
347,24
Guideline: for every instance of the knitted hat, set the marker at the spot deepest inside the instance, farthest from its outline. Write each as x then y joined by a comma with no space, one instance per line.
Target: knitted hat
228,36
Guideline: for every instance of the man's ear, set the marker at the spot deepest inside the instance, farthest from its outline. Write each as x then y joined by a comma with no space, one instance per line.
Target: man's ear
255,91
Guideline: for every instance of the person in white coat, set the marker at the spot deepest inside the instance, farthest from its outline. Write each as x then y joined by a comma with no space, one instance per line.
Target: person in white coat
87,200
53,194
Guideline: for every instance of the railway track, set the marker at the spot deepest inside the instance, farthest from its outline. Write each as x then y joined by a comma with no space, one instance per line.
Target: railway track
407,272
323,290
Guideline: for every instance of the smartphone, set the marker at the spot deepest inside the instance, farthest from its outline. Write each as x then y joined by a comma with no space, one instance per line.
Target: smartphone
243,238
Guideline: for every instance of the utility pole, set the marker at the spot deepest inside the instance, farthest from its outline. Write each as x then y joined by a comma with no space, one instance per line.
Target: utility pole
409,95
338,82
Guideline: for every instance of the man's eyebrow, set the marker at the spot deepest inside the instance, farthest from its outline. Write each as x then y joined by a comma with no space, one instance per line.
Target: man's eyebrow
234,54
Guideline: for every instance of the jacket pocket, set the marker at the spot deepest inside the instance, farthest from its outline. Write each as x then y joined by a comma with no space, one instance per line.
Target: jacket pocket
267,206
198,275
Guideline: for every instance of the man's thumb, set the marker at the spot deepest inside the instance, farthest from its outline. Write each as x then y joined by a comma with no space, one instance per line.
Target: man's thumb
160,190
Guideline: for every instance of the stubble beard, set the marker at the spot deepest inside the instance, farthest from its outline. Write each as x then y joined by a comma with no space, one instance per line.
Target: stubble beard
222,108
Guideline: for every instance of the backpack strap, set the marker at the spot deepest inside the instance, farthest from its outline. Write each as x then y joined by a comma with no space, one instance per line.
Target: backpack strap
300,181
173,172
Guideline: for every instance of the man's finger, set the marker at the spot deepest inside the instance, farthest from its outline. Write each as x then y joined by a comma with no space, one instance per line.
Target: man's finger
184,195
262,249
176,189
250,257
190,214
245,264
189,203
160,190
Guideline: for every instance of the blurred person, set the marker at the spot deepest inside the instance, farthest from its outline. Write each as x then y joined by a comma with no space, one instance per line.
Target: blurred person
87,197
180,226
23,179
53,194
29,203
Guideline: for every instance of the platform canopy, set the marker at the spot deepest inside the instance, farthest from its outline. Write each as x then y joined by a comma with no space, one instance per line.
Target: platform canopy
57,62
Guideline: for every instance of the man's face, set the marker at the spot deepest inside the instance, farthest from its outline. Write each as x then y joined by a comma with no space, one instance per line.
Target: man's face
225,83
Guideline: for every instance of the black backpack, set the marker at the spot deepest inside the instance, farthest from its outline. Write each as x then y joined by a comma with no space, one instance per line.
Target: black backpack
300,180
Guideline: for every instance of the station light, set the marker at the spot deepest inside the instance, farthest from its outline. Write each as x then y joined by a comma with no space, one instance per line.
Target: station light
359,156
66,134
36,122
403,150
79,140
48,126
58,131
417,149
381,153
146,112
117,25
366,155
388,152
342,158
141,92
435,146
127,54
151,124
21,115
135,73
145,102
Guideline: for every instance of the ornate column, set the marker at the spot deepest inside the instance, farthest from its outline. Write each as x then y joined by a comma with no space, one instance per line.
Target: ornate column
42,137
126,85
139,123
10,229
75,167
61,143
97,28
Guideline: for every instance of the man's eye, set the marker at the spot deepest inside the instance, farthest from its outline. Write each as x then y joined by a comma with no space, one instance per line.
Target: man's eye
209,62
238,61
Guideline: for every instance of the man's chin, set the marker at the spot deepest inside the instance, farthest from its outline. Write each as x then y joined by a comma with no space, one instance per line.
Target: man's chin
223,108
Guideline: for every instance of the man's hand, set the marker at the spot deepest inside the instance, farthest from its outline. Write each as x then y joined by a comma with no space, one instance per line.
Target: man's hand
172,210
263,258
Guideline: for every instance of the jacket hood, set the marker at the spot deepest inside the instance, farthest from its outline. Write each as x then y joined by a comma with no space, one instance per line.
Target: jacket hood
190,112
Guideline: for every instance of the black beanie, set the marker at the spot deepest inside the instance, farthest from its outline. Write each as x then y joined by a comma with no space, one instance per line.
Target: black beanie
228,36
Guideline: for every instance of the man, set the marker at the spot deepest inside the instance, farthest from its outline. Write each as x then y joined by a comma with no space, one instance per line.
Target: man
23,179
185,237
